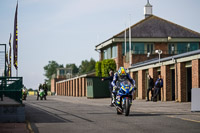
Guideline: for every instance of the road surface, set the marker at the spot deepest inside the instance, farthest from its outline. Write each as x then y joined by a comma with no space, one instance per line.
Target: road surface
61,114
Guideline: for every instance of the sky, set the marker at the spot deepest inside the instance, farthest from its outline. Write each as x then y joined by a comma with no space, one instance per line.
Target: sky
67,31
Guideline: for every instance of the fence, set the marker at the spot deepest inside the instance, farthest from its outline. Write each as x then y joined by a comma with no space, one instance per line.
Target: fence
11,87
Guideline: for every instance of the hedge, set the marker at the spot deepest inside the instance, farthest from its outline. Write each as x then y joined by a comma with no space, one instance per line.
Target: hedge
98,69
103,68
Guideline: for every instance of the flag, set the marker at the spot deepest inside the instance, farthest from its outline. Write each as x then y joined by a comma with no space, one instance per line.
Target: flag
6,58
9,65
15,40
6,69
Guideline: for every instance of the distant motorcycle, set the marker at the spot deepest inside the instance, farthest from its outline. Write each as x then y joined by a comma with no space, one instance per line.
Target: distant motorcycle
24,94
125,96
41,94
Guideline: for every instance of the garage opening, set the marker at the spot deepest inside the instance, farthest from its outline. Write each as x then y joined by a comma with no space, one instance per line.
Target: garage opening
189,83
173,84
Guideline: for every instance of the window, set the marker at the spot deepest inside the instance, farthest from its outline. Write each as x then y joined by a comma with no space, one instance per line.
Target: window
62,72
108,53
105,54
186,47
181,48
138,48
194,46
149,48
127,48
114,51
171,48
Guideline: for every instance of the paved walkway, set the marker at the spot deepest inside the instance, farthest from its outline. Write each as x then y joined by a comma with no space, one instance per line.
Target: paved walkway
12,127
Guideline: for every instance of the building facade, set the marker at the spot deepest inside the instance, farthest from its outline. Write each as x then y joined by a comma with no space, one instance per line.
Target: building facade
143,38
180,73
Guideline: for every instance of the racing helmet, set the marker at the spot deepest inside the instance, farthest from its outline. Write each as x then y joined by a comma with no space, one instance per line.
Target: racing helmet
122,71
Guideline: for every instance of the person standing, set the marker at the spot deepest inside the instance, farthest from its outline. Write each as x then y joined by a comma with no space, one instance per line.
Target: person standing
45,89
150,88
110,79
38,92
158,86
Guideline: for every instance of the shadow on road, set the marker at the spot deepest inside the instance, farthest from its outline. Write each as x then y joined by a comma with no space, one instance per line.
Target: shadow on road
139,114
42,116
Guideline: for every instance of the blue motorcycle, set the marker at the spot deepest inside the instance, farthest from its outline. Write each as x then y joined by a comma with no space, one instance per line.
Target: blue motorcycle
124,97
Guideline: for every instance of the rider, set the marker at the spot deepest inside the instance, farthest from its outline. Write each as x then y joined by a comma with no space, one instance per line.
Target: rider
119,76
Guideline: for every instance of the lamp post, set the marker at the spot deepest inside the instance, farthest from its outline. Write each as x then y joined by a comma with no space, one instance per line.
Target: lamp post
159,52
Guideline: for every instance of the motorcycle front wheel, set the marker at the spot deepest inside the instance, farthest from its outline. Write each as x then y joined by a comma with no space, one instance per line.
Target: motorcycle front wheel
127,107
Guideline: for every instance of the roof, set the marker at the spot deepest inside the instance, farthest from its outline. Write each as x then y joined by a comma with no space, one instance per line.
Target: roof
156,27
156,60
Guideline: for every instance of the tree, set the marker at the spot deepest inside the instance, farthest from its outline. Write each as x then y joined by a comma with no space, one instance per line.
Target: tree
50,69
30,89
74,68
87,66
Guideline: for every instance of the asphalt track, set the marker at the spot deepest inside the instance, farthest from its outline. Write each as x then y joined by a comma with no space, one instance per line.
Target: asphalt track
61,114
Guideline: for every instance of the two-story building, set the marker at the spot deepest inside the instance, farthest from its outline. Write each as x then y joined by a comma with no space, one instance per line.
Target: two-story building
150,34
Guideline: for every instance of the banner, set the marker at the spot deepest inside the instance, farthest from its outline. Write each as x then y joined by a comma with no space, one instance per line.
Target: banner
10,61
15,40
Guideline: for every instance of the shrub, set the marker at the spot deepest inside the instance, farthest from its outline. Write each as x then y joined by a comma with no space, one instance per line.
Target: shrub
106,66
98,68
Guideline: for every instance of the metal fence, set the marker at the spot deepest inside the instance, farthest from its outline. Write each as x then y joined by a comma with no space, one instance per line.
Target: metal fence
11,87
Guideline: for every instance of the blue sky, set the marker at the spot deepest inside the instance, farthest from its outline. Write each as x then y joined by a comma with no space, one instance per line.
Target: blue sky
68,30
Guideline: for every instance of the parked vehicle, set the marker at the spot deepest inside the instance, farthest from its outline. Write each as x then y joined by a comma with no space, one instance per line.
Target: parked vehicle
124,98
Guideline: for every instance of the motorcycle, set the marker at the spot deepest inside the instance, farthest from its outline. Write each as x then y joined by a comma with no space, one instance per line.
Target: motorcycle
24,94
41,94
123,100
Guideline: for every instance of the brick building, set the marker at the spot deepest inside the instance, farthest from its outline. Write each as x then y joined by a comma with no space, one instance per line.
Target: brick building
180,74
150,34
179,62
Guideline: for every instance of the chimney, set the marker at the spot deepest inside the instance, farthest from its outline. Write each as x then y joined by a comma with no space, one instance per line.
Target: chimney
147,9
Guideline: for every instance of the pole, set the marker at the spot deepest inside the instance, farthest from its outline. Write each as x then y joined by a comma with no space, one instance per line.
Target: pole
130,59
125,38
176,76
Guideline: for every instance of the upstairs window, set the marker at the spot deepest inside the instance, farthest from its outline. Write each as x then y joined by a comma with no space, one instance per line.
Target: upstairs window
114,51
171,48
186,47
138,48
105,54
150,48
